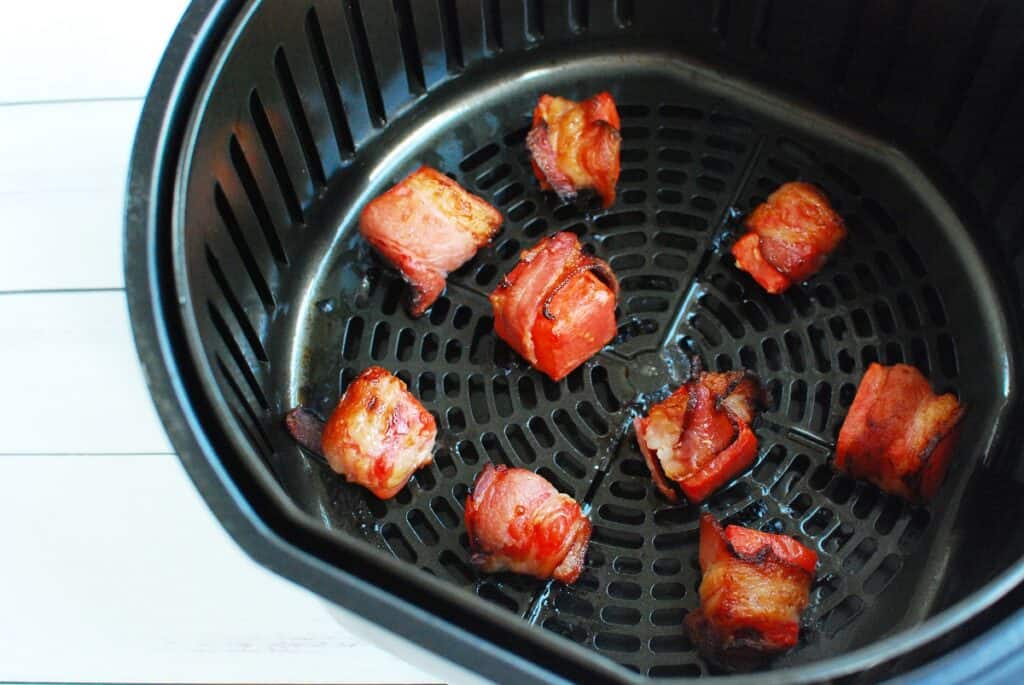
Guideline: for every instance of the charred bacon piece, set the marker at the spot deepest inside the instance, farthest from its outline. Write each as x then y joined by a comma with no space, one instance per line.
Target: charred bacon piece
575,145
790,236
517,521
754,588
898,434
427,226
700,436
556,308
377,436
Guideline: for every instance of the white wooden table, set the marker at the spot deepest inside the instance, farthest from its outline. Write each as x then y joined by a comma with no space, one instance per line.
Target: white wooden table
111,566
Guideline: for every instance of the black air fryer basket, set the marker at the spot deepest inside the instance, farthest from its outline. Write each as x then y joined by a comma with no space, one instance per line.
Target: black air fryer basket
271,124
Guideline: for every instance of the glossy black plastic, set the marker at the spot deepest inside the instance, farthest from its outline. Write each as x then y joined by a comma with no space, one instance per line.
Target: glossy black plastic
269,126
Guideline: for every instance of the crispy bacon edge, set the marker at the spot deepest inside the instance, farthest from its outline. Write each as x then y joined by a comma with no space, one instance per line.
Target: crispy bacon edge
740,650
727,463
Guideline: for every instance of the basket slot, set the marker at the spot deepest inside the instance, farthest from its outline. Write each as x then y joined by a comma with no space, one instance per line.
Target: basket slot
452,29
411,53
329,86
463,31
285,160
254,258
513,24
299,120
235,305
248,368
364,63
428,30
331,20
391,54
258,202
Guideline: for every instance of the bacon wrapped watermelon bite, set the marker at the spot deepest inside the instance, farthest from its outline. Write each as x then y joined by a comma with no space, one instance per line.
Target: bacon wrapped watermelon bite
790,236
754,588
517,521
427,226
899,434
377,436
700,437
556,308
575,145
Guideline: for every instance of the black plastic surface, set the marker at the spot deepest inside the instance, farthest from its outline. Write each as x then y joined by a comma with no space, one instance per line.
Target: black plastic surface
311,113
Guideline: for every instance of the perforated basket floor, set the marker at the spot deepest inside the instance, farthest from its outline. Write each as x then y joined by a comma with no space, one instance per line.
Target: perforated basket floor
697,154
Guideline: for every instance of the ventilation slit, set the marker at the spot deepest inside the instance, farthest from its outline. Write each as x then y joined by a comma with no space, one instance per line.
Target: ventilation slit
397,543
624,13
236,354
534,20
1004,93
573,435
329,85
293,102
720,17
478,399
896,45
244,251
235,306
579,15
256,201
848,42
492,24
762,19
410,48
970,63
353,339
364,62
379,341
274,156
452,40
256,444
240,396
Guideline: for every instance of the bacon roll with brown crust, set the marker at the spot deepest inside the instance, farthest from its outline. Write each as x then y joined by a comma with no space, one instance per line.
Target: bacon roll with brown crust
790,236
754,588
427,226
575,145
700,437
377,436
898,434
517,521
556,307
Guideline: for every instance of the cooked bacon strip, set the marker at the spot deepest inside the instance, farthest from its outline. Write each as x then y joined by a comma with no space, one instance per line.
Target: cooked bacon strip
378,435
517,521
427,226
898,434
754,588
306,428
700,436
556,308
791,235
575,145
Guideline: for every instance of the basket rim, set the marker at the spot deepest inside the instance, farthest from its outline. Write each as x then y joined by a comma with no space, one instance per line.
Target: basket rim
254,509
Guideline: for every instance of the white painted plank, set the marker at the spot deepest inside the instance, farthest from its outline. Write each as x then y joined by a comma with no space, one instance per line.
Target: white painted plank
120,570
68,49
62,182
71,378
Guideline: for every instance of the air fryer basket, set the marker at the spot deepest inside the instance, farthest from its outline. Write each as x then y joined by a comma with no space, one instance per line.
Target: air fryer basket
271,124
